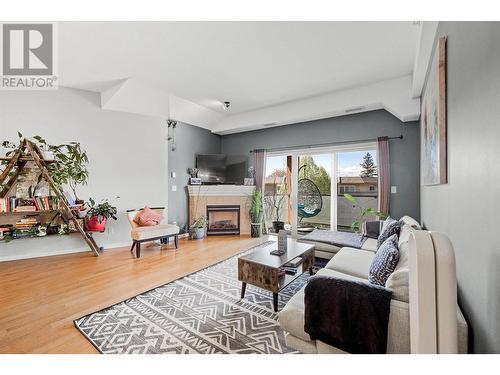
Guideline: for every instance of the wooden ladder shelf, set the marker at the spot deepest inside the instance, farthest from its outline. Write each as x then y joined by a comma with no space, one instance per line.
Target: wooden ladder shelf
18,161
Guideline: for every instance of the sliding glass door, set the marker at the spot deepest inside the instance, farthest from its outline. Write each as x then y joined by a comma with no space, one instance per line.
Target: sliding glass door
314,187
357,175
305,189
277,189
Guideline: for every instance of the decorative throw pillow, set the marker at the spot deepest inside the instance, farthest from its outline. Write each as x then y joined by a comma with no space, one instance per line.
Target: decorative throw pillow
371,229
389,228
385,261
147,217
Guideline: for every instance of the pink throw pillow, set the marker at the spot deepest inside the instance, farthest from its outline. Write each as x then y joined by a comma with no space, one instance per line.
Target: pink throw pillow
147,217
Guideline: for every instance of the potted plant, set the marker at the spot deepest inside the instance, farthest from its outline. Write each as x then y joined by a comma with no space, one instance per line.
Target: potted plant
256,213
70,167
275,202
363,213
197,230
98,214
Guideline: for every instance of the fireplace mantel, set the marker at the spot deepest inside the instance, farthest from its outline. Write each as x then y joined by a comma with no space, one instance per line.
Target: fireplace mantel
220,190
202,195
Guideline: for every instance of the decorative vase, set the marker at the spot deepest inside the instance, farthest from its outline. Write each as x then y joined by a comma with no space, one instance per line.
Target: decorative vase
256,230
93,224
278,225
282,240
198,233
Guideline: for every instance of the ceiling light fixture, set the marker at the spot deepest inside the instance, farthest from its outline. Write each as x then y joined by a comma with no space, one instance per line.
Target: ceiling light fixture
227,104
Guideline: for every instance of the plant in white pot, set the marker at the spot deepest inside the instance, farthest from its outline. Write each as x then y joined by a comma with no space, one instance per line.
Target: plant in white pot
197,230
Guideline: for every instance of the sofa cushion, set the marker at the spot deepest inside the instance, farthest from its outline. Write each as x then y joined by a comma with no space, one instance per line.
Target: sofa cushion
144,233
370,245
353,262
411,222
398,281
291,317
404,234
385,261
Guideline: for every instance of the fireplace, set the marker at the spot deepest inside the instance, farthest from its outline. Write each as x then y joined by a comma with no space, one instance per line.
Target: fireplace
223,219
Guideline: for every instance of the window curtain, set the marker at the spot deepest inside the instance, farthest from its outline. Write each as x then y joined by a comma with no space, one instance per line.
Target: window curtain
260,161
384,174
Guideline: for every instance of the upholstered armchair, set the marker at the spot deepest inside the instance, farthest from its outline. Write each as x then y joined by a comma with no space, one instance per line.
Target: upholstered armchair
161,232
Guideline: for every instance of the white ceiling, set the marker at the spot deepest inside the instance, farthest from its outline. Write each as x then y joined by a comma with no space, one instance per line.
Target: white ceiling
254,65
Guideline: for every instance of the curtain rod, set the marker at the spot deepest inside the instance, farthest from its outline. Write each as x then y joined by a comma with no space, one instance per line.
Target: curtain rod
326,144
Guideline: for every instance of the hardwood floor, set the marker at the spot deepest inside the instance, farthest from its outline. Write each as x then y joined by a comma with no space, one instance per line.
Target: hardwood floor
40,298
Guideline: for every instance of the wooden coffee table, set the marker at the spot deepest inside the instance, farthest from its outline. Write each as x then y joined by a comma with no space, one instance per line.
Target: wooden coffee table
260,268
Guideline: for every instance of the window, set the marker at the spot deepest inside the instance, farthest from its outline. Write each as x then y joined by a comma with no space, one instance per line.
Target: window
305,188
276,194
357,175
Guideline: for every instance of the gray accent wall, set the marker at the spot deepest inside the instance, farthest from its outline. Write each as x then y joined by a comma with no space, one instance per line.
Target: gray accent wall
467,207
191,140
404,154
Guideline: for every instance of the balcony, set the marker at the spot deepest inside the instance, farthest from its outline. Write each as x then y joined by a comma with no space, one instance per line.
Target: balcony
346,212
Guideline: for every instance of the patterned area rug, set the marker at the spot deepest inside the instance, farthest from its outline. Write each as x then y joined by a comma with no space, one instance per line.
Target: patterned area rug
200,313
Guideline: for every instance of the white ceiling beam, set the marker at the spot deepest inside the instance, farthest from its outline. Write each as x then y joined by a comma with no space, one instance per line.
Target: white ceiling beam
425,42
392,95
191,113
133,96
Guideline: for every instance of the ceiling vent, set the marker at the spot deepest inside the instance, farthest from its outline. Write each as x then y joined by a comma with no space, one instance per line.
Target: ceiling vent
270,124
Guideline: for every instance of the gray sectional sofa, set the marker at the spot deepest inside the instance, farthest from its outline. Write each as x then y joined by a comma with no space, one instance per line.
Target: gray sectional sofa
354,264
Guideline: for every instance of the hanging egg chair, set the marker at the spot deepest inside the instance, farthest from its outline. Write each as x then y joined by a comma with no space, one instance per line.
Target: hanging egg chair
309,199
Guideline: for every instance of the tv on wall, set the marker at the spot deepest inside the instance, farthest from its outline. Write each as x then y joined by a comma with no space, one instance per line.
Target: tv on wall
221,168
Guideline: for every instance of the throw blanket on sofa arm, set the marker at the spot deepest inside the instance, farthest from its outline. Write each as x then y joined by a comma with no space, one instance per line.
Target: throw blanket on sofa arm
349,315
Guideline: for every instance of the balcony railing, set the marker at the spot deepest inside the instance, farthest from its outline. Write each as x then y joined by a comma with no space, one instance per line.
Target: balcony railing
346,212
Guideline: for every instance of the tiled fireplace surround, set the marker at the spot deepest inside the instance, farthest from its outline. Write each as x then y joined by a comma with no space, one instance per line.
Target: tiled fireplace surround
224,195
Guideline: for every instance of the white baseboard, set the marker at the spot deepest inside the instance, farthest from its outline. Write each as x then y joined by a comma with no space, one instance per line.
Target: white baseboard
8,258
17,256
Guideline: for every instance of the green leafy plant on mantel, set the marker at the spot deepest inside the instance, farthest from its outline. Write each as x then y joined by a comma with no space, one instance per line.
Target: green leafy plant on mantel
363,213
101,210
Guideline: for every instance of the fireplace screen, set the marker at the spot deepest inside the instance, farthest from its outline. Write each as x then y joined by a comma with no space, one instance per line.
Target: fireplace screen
223,220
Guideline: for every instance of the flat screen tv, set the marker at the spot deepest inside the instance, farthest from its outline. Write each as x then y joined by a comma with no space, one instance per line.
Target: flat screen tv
221,168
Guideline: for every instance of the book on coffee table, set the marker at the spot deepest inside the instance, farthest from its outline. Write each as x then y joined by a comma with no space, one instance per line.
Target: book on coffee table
294,263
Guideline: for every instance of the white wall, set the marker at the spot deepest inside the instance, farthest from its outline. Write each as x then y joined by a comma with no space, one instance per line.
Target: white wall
127,152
